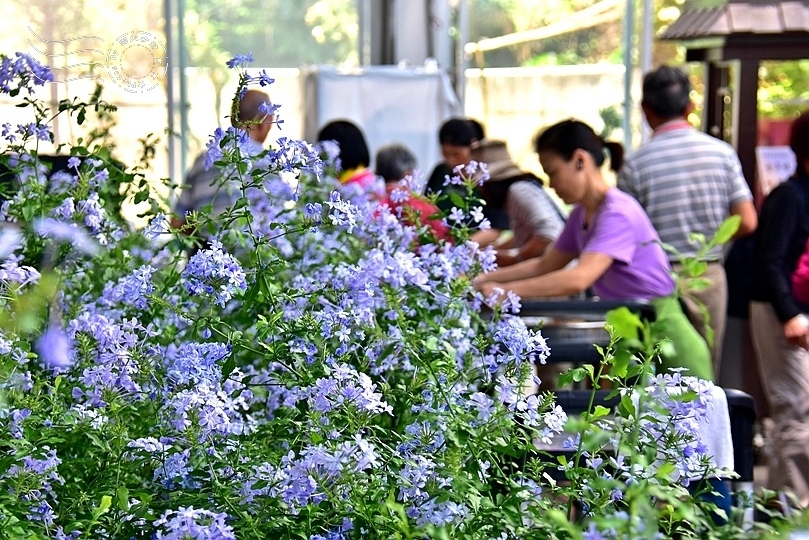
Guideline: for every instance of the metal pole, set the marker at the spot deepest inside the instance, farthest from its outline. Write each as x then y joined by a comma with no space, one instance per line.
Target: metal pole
460,55
183,63
365,32
629,33
646,54
170,58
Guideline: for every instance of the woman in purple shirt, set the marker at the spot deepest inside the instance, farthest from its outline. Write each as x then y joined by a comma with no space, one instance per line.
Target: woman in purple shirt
618,250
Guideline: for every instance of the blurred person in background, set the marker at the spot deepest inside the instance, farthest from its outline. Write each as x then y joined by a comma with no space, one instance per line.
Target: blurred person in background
535,220
618,250
779,324
456,137
396,164
354,155
688,182
203,184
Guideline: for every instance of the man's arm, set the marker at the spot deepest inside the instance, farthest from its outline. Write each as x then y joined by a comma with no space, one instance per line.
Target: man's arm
747,211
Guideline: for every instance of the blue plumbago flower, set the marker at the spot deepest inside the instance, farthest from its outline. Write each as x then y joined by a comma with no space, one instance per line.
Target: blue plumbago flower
63,182
55,349
11,240
332,151
189,522
240,60
418,482
39,474
66,210
262,78
16,419
295,156
14,274
212,272
23,70
456,215
314,212
5,345
224,144
196,363
157,226
300,480
268,108
441,514
681,421
66,233
150,445
115,367
39,131
483,404
515,343
345,387
174,472
342,213
7,134
131,290
592,533
73,163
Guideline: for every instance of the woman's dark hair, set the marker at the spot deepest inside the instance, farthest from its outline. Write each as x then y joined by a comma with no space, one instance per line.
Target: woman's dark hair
460,132
666,92
568,136
799,139
353,148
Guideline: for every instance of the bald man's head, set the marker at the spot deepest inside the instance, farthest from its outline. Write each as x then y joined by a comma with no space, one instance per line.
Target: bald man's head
251,117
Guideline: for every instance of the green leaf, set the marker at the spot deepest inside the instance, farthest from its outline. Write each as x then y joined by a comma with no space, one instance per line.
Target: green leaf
727,230
228,366
599,412
626,406
104,506
122,497
574,374
456,199
698,284
694,267
141,196
625,323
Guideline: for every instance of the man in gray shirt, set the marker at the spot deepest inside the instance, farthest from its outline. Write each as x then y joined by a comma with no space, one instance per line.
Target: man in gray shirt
203,184
688,182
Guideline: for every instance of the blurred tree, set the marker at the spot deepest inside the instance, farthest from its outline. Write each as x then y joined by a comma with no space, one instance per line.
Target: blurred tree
783,90
491,18
281,33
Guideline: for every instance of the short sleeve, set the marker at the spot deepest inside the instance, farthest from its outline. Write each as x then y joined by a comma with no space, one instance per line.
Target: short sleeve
570,239
532,204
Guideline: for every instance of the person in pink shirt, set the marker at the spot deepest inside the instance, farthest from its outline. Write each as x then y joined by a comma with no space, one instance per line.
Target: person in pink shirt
355,158
396,164
617,249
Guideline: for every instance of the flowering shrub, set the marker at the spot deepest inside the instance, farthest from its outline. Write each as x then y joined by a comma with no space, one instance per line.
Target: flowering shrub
305,365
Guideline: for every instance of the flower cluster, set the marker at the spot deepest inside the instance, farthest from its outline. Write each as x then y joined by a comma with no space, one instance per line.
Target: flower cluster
212,272
314,368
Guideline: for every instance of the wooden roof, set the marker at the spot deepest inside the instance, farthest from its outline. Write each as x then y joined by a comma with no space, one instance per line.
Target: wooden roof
745,29
739,17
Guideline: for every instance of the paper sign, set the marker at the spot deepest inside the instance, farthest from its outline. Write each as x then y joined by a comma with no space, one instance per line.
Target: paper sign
774,164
